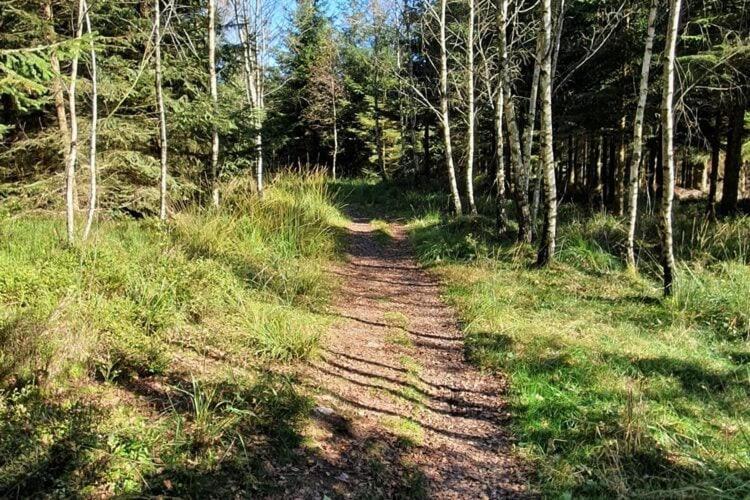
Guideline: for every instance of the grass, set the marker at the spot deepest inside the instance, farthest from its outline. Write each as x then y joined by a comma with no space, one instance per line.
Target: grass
614,390
409,433
396,319
142,362
382,232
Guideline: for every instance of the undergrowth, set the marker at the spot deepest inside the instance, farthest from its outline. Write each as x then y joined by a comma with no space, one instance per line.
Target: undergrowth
135,363
614,390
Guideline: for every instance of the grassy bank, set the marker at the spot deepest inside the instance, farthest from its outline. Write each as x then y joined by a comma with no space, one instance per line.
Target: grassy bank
614,390
142,362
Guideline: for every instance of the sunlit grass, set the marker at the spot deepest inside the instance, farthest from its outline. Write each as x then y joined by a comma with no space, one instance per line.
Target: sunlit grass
614,390
194,309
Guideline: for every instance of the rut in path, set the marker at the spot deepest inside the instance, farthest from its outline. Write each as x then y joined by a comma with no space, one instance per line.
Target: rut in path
405,414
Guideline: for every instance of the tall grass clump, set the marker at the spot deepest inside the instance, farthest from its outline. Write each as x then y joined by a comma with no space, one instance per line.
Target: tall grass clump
717,298
246,277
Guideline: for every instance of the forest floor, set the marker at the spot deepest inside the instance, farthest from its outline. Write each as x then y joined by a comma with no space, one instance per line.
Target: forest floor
399,411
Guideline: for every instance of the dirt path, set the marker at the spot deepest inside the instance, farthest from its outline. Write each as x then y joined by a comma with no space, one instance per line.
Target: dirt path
400,413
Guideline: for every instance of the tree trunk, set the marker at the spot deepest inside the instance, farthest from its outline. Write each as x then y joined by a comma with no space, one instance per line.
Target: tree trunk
444,113
528,133
92,141
471,111
162,114
546,251
379,133
70,169
733,159
214,100
599,187
715,156
619,166
500,217
335,130
427,164
667,119
518,172
637,153
57,86
260,40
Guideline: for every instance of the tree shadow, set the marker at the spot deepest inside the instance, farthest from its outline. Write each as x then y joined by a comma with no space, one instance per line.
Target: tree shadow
43,444
266,453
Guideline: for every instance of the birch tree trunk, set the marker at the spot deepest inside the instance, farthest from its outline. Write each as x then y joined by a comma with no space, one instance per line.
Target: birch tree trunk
667,120
215,101
715,155
546,251
259,47
444,113
335,129
70,168
599,170
519,180
57,86
637,153
500,218
162,114
92,137
252,46
471,111
528,133
379,131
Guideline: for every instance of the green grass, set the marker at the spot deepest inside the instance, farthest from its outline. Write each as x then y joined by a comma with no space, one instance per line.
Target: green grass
614,390
396,319
139,363
382,232
409,433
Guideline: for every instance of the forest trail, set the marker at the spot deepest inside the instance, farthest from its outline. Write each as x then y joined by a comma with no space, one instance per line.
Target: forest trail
399,412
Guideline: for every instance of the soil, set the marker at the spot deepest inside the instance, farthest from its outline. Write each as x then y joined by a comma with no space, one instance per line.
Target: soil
400,413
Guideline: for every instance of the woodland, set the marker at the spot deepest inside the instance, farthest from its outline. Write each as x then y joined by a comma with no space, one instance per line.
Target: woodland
374,248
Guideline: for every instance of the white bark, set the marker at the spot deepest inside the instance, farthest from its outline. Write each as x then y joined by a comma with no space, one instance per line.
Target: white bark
215,101
57,86
514,139
335,129
162,115
258,46
471,111
528,133
547,248
444,113
667,121
70,168
92,140
638,134
251,42
501,221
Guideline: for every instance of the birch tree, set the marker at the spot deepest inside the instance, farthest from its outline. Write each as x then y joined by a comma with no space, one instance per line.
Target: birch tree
94,124
514,137
163,146
253,41
546,251
637,152
214,101
444,112
495,97
70,168
667,123
470,75
57,85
